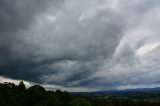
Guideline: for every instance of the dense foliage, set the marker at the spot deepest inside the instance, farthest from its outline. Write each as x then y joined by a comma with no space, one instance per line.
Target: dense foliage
19,95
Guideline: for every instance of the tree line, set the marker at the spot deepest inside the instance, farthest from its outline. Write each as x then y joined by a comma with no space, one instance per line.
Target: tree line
36,95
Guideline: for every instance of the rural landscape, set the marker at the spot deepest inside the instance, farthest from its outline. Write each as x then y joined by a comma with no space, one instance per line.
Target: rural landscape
19,95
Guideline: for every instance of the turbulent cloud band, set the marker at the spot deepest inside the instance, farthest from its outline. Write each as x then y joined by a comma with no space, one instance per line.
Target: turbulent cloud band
85,44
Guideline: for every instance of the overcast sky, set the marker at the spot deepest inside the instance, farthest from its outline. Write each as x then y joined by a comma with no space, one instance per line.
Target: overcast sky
81,45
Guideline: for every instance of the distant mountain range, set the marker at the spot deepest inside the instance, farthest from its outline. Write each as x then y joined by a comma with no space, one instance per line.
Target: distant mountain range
157,89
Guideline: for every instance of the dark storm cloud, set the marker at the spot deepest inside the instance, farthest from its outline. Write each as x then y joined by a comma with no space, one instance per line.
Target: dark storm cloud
20,13
87,43
14,16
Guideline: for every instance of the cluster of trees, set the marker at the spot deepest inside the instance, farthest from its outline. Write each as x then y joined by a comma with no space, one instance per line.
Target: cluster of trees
19,95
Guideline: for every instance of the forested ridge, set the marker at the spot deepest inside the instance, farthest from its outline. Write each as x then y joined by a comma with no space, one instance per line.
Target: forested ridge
36,95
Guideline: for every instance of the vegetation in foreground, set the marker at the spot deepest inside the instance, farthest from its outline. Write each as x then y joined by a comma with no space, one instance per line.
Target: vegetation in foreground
18,95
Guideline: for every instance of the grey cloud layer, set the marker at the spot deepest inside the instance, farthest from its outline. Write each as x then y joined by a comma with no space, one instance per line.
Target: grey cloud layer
100,44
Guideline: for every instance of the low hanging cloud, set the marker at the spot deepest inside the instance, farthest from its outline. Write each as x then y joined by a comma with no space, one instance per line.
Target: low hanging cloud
81,44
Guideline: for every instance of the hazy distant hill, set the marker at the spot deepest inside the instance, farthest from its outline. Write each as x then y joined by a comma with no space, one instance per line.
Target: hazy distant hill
157,89
98,93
